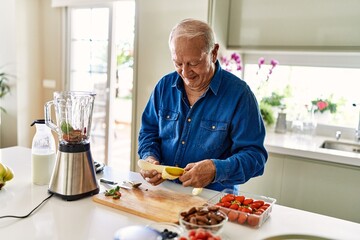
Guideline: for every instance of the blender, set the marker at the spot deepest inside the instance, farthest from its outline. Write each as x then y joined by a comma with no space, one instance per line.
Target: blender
74,175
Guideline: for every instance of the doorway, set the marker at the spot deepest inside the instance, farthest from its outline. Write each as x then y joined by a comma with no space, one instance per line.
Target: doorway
100,59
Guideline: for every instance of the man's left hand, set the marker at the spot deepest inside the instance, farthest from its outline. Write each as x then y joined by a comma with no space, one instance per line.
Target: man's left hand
198,174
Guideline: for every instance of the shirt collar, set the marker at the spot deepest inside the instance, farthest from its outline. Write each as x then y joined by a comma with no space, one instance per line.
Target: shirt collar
215,82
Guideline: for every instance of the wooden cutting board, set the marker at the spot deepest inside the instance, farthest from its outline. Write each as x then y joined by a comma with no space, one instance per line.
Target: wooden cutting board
161,205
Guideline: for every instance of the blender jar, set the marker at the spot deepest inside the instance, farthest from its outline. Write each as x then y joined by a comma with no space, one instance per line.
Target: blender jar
73,111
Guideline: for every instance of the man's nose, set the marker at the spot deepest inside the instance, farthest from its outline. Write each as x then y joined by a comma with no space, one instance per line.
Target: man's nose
186,70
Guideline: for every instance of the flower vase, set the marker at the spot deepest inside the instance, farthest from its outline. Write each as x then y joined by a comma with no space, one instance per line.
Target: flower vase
323,117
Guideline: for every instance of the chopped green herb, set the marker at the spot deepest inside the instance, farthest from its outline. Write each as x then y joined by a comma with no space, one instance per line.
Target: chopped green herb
114,192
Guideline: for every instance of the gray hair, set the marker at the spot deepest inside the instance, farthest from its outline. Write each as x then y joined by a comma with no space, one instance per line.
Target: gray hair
191,28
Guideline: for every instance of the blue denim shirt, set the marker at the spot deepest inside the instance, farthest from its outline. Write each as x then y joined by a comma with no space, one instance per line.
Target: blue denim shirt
224,125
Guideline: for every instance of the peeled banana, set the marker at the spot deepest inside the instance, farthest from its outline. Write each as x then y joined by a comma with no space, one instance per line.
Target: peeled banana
6,174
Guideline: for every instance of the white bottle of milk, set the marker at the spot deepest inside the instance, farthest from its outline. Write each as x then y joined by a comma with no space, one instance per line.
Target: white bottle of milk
43,153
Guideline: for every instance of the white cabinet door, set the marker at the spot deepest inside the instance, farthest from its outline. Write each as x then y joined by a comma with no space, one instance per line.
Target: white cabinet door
311,185
306,24
269,184
329,189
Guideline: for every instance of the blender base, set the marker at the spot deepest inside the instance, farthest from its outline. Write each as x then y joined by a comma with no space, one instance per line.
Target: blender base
75,197
74,174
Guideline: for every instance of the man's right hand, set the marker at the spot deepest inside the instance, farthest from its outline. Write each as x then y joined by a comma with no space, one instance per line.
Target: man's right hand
152,176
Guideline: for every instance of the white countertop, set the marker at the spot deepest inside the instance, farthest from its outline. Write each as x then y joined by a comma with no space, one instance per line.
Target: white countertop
308,147
85,219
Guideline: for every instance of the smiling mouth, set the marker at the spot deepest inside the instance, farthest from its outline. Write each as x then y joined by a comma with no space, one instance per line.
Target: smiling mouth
192,79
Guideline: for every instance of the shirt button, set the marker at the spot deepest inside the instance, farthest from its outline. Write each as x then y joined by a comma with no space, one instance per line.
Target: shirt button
189,120
167,117
213,127
182,142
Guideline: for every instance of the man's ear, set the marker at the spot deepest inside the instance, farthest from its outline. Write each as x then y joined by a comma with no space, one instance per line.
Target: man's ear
214,53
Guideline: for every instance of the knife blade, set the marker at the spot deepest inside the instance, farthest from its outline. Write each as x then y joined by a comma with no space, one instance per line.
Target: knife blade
110,182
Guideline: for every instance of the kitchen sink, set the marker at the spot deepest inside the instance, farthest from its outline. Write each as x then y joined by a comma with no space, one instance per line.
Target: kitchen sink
341,146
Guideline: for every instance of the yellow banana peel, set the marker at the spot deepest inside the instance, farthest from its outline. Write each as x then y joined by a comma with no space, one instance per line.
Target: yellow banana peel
167,172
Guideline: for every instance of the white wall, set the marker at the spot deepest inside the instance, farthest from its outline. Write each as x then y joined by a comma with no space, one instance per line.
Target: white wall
8,128
28,42
154,22
23,19
32,48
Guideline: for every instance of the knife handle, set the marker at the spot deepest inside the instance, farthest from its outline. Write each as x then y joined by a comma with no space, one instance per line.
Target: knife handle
103,180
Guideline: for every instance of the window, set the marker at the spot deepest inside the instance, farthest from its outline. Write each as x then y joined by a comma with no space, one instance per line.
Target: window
301,85
302,78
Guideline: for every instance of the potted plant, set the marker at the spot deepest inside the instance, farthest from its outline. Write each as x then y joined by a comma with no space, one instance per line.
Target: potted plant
323,105
4,87
267,106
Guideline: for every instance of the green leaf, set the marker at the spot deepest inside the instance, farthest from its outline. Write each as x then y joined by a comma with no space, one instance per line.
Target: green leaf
274,100
267,113
66,127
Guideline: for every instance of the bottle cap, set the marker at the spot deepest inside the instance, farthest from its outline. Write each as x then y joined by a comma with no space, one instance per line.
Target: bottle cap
38,121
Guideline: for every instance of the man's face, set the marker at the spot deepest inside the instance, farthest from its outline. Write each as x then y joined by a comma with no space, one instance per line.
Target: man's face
195,66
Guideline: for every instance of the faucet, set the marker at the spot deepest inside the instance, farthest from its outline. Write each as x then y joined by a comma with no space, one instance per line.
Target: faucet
357,130
338,135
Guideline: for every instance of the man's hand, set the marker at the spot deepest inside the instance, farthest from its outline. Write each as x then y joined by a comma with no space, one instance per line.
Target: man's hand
198,174
153,177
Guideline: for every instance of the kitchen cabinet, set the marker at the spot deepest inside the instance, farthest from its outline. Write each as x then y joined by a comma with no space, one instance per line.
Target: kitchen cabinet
308,184
269,184
327,188
294,25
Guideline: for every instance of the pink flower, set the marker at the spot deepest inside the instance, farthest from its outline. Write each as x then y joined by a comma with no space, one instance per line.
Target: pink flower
261,61
232,63
236,57
322,105
235,63
224,60
273,63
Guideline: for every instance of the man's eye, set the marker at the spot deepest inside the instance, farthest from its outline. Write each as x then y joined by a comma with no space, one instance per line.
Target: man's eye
193,64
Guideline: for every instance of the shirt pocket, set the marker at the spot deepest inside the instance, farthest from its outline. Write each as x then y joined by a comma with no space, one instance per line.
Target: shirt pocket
167,123
212,135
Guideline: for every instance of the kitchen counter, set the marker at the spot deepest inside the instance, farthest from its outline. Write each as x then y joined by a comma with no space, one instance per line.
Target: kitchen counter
306,146
85,219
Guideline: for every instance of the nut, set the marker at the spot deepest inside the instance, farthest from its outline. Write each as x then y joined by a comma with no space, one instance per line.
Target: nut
205,215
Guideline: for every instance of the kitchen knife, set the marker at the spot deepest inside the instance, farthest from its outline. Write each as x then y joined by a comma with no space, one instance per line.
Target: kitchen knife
110,182
103,180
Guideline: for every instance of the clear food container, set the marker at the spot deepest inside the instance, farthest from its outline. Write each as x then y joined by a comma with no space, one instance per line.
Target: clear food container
244,208
207,217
